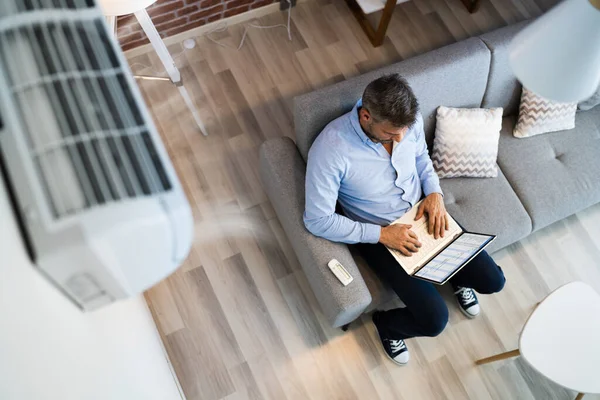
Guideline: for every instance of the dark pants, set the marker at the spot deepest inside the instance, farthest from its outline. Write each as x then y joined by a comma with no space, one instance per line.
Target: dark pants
425,313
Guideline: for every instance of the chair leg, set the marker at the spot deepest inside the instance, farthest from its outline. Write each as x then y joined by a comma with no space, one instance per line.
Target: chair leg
386,17
375,36
579,396
498,357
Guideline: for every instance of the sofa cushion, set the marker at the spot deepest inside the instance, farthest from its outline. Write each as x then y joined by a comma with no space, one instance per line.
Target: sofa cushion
437,78
503,88
555,174
487,205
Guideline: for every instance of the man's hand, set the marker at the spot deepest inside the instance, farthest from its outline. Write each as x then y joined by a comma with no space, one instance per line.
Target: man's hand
401,238
437,217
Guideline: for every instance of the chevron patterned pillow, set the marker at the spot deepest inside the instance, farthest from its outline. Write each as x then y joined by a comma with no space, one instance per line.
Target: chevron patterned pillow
538,115
466,142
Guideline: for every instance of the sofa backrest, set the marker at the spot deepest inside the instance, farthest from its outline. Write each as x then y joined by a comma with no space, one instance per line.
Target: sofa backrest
503,89
453,76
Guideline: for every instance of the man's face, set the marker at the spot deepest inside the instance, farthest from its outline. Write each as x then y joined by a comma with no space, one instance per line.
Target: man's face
380,131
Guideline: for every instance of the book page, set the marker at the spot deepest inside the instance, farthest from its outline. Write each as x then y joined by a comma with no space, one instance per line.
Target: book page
430,246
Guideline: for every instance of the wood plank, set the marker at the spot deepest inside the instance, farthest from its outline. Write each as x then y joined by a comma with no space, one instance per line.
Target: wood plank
449,19
197,381
384,384
252,308
212,53
509,383
549,390
162,303
305,320
445,373
357,371
464,17
268,383
424,7
245,383
539,288
268,245
313,27
317,68
204,314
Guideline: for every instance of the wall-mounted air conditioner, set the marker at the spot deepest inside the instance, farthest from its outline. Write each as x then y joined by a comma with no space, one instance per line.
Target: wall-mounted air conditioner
101,209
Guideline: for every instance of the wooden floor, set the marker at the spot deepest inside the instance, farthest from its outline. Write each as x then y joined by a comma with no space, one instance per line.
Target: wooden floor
238,319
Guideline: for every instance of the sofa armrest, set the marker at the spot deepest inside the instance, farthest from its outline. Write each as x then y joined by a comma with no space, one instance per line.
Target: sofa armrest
283,173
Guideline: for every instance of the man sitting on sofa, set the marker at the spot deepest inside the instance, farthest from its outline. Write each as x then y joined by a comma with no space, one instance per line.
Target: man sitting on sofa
374,162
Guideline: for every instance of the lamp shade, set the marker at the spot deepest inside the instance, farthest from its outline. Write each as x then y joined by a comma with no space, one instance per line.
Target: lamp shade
558,55
122,7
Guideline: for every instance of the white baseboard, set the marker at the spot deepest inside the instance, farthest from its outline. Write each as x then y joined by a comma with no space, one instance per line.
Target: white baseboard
201,30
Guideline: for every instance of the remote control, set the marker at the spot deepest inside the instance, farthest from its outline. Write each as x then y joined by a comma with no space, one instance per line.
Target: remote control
340,272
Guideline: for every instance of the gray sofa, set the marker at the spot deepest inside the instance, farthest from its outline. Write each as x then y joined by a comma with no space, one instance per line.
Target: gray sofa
541,179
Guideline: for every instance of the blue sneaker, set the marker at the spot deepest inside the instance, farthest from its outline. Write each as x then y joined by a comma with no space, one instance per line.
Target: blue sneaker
395,349
467,301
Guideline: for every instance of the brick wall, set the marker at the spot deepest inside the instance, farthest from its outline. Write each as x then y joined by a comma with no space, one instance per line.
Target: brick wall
175,16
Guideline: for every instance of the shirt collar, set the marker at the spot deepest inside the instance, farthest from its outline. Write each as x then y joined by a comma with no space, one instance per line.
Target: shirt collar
356,124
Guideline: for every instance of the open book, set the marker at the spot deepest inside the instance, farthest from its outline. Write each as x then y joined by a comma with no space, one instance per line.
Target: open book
430,246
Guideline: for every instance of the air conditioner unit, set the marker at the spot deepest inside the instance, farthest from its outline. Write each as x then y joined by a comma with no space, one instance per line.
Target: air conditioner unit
101,209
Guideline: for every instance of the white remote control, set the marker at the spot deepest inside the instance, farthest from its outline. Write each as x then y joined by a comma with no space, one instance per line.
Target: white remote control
340,272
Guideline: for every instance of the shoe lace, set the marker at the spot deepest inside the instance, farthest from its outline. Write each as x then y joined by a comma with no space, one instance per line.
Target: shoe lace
466,294
397,345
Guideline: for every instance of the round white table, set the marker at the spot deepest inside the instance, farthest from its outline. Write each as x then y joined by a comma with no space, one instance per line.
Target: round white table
561,339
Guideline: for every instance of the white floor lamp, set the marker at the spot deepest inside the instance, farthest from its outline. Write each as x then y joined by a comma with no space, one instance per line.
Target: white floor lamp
114,8
558,55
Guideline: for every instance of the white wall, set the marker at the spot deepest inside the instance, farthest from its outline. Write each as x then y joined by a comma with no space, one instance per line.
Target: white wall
49,349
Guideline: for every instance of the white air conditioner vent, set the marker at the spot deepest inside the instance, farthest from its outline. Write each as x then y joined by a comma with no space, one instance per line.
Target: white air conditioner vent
88,140
98,197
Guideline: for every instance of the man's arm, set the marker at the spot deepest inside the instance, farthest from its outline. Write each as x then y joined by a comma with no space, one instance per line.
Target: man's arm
427,175
433,205
323,177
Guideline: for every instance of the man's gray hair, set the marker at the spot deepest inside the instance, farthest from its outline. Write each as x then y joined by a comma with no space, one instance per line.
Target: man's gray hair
391,99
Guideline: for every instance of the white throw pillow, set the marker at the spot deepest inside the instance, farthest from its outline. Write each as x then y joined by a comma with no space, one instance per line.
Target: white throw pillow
538,115
466,142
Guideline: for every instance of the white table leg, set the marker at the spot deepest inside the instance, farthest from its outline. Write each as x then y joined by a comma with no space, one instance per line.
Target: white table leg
166,59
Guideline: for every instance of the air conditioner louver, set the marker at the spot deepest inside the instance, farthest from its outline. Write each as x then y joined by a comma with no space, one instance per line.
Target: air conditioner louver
97,199
88,141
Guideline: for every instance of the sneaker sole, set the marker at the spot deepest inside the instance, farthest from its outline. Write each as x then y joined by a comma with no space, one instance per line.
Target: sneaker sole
385,352
462,310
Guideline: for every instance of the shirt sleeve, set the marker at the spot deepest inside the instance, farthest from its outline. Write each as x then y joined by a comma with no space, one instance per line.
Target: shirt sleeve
324,174
429,179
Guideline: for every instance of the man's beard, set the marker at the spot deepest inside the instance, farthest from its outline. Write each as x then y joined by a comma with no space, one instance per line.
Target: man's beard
369,133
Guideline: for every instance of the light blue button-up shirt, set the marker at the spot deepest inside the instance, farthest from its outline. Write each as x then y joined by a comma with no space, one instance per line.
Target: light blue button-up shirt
373,188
